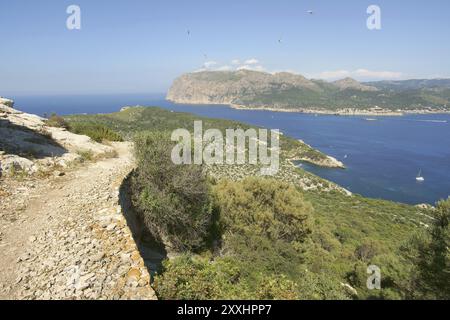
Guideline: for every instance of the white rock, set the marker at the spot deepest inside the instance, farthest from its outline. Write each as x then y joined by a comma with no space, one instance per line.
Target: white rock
18,163
111,227
7,102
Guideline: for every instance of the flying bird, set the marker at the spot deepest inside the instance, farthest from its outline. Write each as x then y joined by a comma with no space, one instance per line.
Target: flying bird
310,12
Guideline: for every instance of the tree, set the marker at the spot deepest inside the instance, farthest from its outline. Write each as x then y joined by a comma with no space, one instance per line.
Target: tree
174,200
434,263
431,255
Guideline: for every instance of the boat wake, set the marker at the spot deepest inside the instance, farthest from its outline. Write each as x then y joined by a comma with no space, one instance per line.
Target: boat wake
434,121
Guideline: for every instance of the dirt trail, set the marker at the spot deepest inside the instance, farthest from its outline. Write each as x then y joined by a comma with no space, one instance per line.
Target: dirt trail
66,238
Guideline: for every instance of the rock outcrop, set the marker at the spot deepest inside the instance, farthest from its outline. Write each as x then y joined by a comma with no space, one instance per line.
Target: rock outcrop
28,144
328,162
6,102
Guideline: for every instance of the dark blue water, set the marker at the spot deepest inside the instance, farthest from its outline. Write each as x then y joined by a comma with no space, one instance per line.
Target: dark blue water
383,157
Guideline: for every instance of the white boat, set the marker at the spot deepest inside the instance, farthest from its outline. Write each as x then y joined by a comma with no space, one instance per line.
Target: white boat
419,176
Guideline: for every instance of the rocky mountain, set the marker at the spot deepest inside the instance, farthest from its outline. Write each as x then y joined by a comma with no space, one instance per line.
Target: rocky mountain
291,92
230,87
349,83
413,84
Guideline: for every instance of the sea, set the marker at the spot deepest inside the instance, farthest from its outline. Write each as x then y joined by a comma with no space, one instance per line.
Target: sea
383,155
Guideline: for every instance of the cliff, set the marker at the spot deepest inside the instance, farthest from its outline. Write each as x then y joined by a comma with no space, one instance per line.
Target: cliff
289,92
29,145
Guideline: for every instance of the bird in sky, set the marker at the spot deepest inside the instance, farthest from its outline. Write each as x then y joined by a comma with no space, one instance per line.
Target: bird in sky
310,12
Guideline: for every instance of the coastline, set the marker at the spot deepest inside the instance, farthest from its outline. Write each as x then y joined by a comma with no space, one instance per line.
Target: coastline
330,162
344,112
339,112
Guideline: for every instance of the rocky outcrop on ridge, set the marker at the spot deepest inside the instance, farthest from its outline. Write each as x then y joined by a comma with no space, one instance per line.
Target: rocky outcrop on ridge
29,145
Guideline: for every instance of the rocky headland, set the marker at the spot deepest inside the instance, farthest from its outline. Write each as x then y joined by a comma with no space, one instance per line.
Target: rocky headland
287,92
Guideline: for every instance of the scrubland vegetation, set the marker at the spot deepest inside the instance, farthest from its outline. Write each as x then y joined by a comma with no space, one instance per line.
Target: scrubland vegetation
95,131
139,119
266,238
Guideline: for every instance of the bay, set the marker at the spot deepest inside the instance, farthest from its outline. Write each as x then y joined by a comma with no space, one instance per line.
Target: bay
382,156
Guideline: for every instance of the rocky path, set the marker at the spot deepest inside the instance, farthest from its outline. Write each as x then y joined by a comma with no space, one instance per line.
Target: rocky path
66,238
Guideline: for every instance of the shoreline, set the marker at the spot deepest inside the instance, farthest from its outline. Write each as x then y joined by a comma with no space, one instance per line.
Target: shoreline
347,112
339,112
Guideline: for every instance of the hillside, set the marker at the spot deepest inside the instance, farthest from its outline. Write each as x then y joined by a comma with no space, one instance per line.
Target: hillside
134,119
63,233
264,257
65,236
291,92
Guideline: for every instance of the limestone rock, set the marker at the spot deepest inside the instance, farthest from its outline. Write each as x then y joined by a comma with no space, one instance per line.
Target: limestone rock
27,143
12,163
6,102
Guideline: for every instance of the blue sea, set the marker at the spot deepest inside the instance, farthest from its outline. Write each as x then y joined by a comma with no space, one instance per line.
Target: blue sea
383,157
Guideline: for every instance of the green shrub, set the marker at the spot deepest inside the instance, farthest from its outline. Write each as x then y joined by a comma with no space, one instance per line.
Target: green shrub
173,199
85,155
57,121
277,288
264,207
367,250
96,132
263,225
430,253
194,278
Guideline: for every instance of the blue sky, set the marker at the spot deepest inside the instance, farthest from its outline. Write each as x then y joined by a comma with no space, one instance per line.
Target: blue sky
137,46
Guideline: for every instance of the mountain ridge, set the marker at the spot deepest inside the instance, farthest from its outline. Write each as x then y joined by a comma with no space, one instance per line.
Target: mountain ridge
295,93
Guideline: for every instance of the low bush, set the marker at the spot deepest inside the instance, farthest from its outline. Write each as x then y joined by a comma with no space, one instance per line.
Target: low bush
57,121
265,208
96,132
263,224
198,278
85,155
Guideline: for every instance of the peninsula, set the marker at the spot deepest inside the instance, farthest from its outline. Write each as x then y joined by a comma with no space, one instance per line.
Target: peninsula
288,92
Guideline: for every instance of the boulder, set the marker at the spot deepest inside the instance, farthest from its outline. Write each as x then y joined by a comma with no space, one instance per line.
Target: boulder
425,206
7,102
12,162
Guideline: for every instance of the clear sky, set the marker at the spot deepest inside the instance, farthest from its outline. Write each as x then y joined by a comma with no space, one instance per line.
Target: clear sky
137,46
